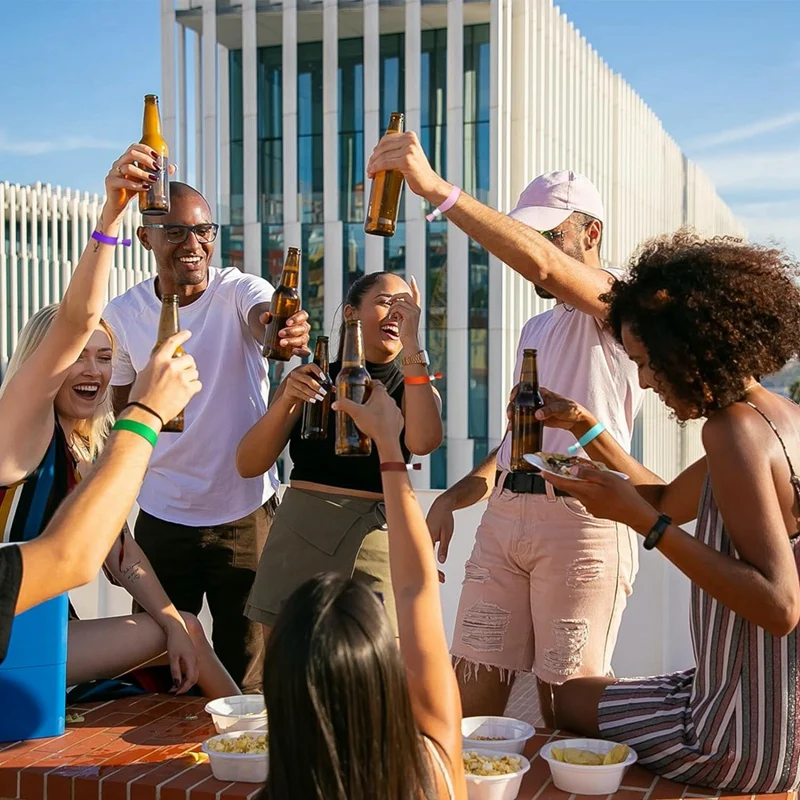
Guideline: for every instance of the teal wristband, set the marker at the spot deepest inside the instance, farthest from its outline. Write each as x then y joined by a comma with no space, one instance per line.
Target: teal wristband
136,427
587,437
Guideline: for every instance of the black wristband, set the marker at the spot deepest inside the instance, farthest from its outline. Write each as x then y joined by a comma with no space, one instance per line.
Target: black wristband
148,410
657,531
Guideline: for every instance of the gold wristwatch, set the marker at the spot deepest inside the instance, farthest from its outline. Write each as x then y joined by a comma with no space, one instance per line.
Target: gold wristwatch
418,358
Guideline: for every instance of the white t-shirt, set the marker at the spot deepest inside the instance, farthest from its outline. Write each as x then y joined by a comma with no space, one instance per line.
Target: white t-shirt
578,357
192,478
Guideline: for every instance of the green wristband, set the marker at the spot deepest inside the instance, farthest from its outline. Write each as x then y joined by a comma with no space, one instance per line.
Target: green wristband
139,428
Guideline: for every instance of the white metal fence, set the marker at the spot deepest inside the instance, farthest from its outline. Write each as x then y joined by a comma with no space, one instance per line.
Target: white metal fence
43,231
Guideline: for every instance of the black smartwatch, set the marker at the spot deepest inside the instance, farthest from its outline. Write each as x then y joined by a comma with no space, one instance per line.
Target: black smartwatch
657,531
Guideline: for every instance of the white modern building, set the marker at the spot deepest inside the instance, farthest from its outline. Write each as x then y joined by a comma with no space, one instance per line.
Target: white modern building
285,101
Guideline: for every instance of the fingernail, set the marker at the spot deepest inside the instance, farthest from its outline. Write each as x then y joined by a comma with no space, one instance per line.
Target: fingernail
152,178
441,558
321,396
284,342
313,400
154,155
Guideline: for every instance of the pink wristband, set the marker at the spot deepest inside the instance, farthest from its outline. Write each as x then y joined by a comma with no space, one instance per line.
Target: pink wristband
451,200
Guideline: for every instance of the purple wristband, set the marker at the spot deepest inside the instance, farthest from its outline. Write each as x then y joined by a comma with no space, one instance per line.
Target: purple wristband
101,237
449,202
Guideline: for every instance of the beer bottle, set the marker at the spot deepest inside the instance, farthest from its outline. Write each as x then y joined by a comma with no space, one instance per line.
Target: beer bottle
285,303
526,430
353,383
384,196
155,200
315,415
168,325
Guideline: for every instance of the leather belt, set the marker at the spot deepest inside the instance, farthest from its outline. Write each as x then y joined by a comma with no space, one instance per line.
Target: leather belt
526,483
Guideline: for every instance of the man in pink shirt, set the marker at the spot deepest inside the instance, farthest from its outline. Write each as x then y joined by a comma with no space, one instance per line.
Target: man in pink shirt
546,584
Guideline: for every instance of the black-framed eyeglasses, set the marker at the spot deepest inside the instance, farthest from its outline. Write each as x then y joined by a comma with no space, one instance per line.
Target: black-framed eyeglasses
177,234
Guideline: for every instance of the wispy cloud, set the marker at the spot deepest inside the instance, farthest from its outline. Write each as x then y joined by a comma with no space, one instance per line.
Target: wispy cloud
745,132
64,144
772,222
754,172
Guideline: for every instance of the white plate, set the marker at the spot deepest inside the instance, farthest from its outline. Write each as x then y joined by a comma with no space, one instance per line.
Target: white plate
541,464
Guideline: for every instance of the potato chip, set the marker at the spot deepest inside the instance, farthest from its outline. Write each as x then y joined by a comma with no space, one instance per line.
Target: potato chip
616,755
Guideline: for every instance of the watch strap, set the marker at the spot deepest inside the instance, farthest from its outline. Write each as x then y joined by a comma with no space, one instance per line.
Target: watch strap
657,531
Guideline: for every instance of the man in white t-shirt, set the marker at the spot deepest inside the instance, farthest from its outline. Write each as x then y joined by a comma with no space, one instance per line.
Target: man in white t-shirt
201,525
546,584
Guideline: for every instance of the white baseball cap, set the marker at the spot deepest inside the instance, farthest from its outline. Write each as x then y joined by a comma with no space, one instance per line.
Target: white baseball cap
551,198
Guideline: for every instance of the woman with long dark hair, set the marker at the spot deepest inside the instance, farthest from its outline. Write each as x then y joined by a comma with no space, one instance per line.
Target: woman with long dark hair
351,715
703,320
331,518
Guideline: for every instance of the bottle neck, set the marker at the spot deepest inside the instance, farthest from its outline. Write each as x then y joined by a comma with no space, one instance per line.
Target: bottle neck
151,125
353,351
321,358
530,372
395,124
290,277
169,322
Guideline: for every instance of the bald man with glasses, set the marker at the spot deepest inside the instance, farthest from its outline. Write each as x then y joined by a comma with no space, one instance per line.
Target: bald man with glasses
201,525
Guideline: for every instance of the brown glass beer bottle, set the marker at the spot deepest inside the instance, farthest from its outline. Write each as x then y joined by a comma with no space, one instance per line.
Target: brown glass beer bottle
315,415
353,383
285,304
384,196
526,430
168,325
155,200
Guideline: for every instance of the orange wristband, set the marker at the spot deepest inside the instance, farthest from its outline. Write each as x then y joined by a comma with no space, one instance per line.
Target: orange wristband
416,380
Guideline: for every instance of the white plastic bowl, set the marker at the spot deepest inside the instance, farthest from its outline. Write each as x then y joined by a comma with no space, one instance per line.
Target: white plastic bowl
513,732
230,713
583,778
496,787
248,768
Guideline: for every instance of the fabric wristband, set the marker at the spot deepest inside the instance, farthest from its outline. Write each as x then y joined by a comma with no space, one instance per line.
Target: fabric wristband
399,466
138,428
451,200
101,237
657,531
416,380
587,437
148,410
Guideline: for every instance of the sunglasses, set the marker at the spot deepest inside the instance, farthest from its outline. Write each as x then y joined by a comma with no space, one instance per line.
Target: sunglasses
205,232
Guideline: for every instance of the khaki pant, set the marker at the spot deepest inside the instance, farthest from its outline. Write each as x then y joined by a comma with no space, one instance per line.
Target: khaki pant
315,532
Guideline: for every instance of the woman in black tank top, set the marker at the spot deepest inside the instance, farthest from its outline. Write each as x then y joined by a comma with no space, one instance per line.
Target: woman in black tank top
331,517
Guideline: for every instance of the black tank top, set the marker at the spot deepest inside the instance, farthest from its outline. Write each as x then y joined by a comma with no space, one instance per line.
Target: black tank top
316,462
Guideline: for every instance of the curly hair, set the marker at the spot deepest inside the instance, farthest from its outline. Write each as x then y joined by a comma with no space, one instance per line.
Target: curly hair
711,313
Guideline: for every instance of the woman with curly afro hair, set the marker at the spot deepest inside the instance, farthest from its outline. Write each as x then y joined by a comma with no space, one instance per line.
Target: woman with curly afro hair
703,320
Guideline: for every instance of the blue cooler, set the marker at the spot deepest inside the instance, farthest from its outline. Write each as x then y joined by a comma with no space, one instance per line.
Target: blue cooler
33,677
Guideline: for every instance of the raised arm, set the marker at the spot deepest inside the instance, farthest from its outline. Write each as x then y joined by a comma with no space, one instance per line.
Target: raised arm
26,403
423,644
74,545
523,249
266,440
422,406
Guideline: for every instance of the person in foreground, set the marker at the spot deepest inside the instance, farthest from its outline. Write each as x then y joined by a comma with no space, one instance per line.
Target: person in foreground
331,517
703,320
86,525
352,716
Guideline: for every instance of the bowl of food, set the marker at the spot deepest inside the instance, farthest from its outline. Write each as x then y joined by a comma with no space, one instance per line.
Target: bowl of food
244,712
492,775
504,734
588,766
560,465
239,756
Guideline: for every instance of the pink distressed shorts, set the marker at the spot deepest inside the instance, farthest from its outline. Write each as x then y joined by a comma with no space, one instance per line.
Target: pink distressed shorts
544,589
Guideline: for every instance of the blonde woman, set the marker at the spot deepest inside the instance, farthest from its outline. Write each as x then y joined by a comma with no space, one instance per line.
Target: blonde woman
54,414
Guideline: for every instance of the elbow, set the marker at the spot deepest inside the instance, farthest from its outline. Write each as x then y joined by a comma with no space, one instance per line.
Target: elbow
244,465
424,445
786,616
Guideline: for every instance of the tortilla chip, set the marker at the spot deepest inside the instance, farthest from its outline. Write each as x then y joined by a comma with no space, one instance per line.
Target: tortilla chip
616,755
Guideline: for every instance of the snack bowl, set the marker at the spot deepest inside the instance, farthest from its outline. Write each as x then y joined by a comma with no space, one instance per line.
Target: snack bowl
495,787
586,778
245,767
504,734
244,712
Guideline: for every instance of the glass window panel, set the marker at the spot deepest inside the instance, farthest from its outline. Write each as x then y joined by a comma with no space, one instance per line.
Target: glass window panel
312,272
270,133
232,246
272,253
353,256
394,251
236,187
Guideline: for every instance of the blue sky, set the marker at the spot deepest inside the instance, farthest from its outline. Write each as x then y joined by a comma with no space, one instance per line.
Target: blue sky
723,75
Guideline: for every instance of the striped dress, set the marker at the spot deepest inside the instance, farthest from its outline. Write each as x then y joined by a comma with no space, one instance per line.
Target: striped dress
733,722
27,506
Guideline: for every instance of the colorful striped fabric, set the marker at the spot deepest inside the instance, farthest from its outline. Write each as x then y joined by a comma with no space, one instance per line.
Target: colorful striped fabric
27,506
731,723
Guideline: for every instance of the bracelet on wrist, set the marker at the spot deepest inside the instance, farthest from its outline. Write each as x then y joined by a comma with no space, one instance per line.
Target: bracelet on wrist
103,239
416,380
149,410
657,531
587,437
